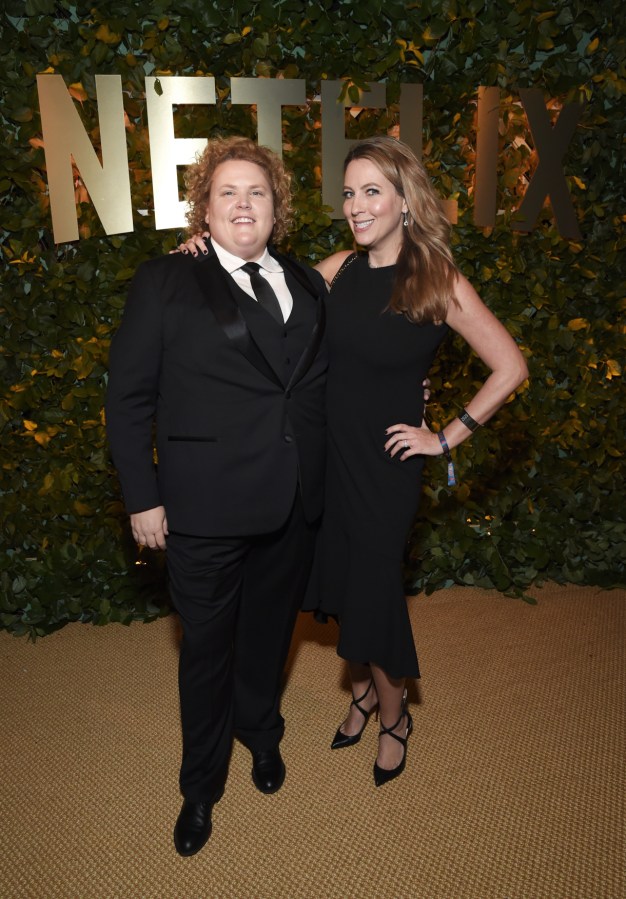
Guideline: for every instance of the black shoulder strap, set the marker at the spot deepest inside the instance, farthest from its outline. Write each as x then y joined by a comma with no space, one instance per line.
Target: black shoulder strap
344,265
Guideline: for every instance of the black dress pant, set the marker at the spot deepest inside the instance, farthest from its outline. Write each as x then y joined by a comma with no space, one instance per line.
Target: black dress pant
237,598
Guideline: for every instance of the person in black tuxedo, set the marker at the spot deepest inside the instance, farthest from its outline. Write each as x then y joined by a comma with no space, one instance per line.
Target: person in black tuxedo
233,374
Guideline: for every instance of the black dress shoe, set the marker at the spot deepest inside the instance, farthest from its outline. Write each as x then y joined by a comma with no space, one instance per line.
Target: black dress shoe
268,770
193,827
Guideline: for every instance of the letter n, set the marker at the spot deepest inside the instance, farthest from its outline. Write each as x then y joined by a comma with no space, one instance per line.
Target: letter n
64,138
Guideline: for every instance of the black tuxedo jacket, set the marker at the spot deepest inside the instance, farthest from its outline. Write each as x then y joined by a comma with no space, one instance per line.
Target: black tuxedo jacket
238,399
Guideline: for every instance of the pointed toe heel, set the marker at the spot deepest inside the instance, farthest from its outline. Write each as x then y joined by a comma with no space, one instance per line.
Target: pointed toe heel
341,740
384,775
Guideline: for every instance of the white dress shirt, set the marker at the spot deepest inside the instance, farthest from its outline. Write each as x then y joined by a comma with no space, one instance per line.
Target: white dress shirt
270,269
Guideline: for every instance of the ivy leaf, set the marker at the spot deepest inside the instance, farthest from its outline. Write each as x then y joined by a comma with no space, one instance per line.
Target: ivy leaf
613,368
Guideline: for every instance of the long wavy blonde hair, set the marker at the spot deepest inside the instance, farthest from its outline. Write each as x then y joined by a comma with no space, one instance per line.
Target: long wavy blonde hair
425,270
198,180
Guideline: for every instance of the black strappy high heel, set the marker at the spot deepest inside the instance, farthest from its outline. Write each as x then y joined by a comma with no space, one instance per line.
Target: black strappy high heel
342,740
384,775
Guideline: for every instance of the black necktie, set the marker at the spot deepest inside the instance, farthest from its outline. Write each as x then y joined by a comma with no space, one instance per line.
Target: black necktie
263,291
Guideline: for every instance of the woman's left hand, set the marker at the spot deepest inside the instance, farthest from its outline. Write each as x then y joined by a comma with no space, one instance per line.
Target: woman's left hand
407,441
195,244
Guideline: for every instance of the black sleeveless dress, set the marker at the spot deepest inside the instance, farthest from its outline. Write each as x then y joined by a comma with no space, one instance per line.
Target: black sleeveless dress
378,360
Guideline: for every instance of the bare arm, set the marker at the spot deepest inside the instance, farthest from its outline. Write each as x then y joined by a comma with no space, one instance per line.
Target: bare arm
494,345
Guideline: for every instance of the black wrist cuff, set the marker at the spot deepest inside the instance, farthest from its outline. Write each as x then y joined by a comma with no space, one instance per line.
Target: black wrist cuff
468,421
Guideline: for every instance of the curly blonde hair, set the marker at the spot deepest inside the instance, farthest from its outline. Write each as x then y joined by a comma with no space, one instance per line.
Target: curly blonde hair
425,270
198,180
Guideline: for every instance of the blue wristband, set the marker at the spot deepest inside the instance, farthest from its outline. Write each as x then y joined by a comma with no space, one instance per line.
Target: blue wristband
446,452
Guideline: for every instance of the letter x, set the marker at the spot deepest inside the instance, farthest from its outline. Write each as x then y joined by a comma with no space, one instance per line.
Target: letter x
549,180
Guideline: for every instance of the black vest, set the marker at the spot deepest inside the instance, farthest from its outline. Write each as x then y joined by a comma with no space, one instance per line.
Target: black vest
282,345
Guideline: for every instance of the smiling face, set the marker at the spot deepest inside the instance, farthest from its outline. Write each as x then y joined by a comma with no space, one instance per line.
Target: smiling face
374,210
240,211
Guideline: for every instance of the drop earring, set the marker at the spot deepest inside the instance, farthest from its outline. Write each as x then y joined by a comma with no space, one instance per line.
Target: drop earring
406,220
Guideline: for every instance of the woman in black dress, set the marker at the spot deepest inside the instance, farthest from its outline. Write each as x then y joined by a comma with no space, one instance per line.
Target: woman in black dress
388,311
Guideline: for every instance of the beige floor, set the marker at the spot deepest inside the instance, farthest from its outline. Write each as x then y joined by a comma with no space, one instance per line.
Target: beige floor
514,787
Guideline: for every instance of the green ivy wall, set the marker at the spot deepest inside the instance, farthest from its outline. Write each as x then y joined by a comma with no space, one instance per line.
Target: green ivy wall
542,487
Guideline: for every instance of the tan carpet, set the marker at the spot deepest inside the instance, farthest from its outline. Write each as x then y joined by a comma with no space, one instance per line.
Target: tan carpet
514,786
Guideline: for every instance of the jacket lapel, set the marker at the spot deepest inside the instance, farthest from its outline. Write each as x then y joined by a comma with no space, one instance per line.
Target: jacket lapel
310,351
219,289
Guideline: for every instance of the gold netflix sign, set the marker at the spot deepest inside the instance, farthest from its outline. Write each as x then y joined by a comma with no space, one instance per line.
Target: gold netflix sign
108,181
